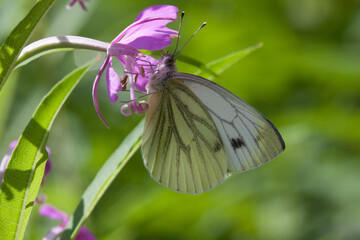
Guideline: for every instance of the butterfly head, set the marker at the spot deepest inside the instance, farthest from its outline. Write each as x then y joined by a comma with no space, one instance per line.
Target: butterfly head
167,63
166,67
164,72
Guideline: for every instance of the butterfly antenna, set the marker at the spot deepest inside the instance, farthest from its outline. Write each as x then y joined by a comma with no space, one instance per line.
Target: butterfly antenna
126,90
178,35
202,25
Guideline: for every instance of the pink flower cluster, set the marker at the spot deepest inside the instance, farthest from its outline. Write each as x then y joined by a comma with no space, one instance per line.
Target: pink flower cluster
148,32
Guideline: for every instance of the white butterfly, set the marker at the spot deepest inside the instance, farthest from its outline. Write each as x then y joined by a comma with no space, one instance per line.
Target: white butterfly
197,133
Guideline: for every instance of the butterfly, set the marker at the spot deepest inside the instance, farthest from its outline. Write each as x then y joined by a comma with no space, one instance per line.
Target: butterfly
197,133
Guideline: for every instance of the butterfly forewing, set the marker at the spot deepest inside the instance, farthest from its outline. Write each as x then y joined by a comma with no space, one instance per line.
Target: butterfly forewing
182,147
249,138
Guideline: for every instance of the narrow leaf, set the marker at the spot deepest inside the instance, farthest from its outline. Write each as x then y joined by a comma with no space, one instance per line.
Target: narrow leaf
19,36
202,66
220,65
6,99
22,62
102,180
25,171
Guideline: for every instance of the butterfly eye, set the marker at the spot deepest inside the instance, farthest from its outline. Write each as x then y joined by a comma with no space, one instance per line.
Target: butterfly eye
169,60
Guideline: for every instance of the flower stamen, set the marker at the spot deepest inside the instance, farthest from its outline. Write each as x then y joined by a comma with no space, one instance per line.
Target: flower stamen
142,71
127,109
142,107
124,82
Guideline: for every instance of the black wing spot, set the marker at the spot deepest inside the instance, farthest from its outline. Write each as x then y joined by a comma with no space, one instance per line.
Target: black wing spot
217,146
237,143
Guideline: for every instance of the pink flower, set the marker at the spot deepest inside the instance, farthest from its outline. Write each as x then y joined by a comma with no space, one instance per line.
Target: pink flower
55,214
148,32
5,161
81,2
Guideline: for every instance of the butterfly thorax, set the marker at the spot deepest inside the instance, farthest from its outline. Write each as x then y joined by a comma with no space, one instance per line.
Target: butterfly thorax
164,72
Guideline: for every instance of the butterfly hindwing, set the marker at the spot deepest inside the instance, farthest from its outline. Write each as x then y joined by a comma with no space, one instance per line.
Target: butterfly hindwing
182,147
249,138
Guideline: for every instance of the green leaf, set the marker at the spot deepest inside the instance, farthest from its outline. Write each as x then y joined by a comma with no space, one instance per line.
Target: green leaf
6,99
19,36
220,65
202,66
102,180
20,62
25,171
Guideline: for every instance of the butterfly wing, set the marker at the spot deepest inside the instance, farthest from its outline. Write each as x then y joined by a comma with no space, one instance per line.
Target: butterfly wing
181,146
249,138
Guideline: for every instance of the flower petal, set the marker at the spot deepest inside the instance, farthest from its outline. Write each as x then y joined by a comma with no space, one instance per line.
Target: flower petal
168,11
81,2
51,212
118,49
151,35
48,167
84,234
112,82
4,163
71,4
149,64
40,199
82,5
13,144
48,164
95,90
54,233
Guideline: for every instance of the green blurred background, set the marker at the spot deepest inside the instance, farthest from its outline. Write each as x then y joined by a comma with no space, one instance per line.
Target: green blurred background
306,80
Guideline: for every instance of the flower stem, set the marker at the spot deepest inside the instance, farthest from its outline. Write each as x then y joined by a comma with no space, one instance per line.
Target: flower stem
60,42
